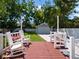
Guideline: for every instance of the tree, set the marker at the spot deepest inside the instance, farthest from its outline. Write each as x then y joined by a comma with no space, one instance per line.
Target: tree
39,16
76,23
8,12
49,14
29,11
64,9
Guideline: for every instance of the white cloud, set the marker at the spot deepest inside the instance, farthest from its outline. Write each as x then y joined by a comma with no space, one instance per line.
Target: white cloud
72,15
77,8
77,3
39,7
77,14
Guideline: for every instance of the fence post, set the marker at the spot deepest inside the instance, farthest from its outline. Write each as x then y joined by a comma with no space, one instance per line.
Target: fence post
72,48
5,40
57,23
1,42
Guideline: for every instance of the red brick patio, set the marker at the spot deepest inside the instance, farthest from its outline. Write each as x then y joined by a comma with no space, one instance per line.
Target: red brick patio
43,50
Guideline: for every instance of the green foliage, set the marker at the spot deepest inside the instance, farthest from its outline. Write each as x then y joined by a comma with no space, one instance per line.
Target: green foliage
29,10
11,11
63,9
65,6
76,23
8,10
39,16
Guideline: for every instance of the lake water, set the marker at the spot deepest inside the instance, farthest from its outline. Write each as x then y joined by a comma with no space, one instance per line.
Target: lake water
71,32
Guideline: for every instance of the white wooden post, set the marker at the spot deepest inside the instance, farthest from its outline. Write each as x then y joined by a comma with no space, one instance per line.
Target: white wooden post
1,42
57,23
5,39
21,21
21,25
50,36
72,48
54,39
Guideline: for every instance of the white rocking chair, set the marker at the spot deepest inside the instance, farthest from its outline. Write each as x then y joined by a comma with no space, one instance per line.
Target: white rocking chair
14,47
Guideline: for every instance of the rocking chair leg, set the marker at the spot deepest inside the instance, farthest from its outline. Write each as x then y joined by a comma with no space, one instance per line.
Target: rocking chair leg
11,58
23,57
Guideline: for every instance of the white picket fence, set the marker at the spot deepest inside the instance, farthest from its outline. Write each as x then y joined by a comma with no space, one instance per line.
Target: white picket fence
73,42
74,48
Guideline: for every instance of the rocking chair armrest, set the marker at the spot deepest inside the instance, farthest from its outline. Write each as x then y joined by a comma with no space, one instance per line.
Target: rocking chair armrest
6,50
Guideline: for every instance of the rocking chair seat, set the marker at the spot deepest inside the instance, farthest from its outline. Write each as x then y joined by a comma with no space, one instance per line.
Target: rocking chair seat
16,46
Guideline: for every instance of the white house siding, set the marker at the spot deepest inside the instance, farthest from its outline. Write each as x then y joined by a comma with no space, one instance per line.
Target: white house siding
43,29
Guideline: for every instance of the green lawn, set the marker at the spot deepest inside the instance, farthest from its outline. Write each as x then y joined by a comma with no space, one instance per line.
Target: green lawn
34,37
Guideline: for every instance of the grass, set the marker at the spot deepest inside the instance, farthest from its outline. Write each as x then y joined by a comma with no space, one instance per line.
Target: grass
34,37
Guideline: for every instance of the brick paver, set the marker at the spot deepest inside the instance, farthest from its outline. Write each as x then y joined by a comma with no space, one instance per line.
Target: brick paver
43,50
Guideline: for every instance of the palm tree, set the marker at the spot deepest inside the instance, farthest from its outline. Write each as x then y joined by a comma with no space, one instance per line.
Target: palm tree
63,9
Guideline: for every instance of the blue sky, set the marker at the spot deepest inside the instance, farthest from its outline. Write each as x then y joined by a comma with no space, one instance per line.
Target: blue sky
41,2
72,15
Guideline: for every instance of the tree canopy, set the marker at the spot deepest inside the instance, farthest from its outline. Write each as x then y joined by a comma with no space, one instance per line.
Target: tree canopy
11,12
